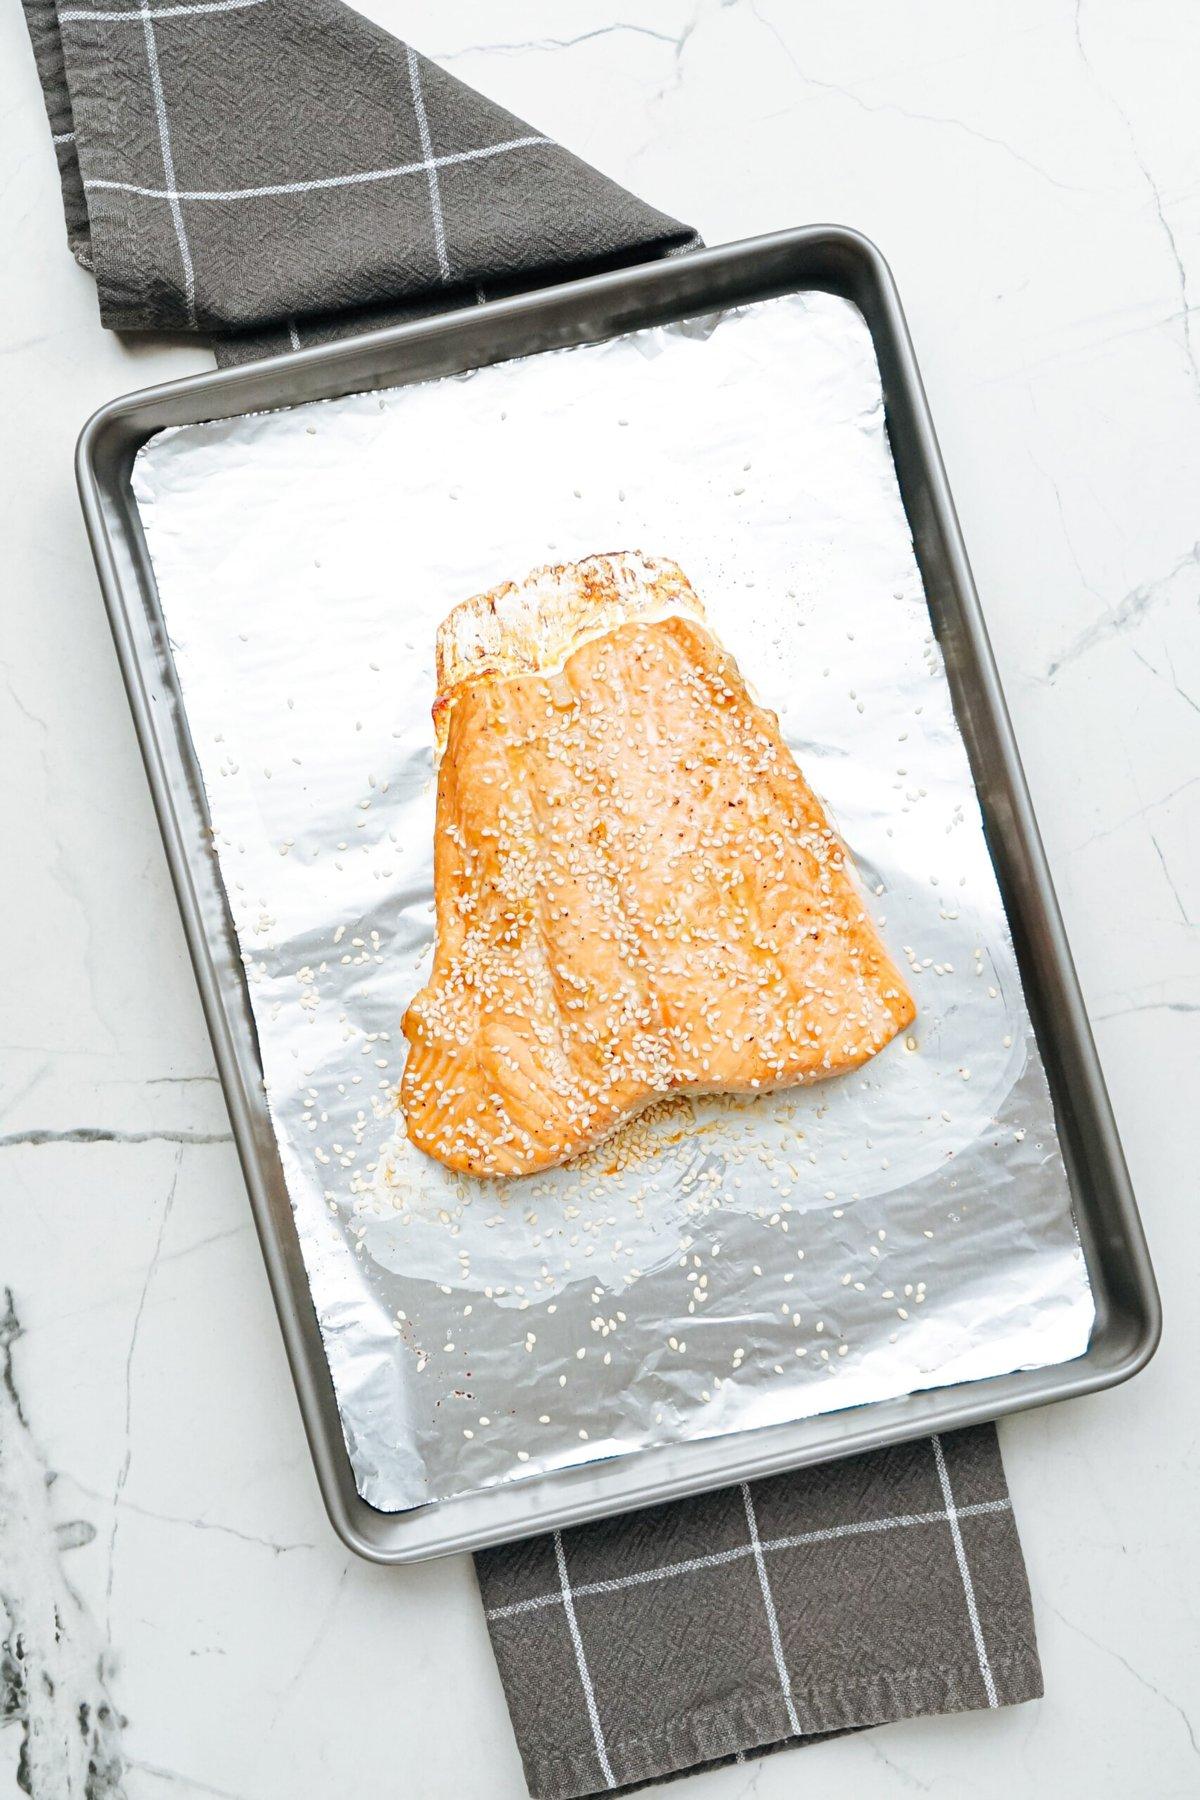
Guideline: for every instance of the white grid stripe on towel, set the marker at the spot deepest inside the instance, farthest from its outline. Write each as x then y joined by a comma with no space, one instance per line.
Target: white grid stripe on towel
324,181
717,1558
115,15
769,1605
964,1569
435,196
589,1692
164,139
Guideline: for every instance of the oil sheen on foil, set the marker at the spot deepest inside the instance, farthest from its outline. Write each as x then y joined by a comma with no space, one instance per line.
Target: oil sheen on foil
723,1264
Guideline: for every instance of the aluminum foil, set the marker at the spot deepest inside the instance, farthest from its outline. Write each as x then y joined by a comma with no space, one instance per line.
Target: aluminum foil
724,1265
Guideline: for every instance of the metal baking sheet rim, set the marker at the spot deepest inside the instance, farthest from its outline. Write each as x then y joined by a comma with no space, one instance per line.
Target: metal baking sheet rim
1128,1316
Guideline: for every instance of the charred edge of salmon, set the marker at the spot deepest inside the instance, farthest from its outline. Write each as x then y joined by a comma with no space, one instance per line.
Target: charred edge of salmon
532,626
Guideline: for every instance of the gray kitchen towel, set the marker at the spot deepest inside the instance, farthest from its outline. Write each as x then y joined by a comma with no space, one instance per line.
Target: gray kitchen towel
272,173
717,1629
276,173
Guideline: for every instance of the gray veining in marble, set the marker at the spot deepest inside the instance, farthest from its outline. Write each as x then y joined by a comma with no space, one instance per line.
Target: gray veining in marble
56,1665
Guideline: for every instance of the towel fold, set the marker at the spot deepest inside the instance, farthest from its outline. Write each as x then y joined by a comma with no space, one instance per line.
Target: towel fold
274,173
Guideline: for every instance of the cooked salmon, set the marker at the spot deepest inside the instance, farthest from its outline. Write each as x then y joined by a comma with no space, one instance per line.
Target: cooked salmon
636,891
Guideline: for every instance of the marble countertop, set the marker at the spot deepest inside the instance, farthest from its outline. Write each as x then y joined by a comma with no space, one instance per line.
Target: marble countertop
1030,172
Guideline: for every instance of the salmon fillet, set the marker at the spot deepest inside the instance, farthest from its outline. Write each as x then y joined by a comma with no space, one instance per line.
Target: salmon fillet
636,891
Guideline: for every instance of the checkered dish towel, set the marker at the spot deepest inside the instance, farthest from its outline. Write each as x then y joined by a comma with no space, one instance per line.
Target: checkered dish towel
271,174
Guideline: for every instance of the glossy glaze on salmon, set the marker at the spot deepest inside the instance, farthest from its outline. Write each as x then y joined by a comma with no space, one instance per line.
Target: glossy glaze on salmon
636,891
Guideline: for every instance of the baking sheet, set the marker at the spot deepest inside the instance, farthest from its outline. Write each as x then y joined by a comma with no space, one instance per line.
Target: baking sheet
733,1265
